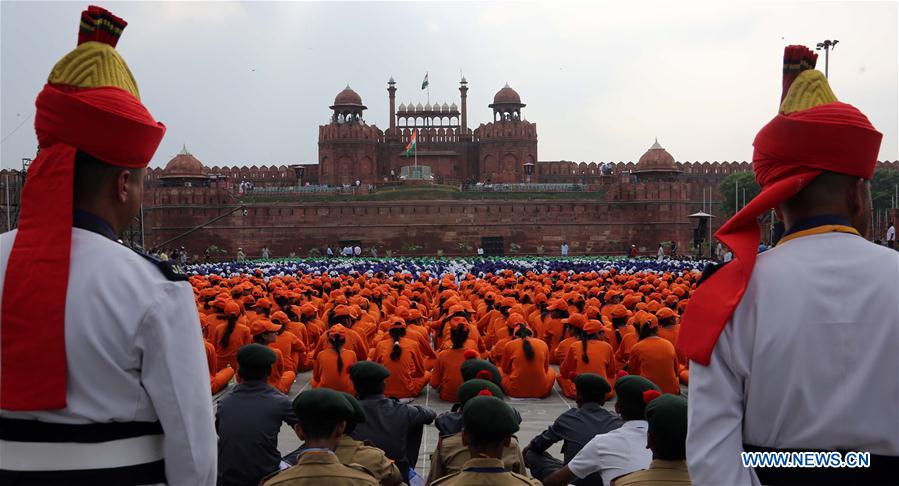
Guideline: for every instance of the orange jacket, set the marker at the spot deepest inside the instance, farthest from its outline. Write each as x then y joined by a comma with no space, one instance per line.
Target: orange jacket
527,378
447,373
282,377
228,355
654,358
602,360
325,373
353,341
562,349
670,334
406,373
292,348
628,340
552,329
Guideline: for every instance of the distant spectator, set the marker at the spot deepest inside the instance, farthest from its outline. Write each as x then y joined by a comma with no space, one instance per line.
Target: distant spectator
357,251
480,251
728,256
891,235
661,253
241,256
374,252
564,248
633,252
329,252
265,253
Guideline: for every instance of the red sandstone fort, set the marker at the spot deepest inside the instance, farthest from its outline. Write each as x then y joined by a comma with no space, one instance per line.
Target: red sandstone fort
488,188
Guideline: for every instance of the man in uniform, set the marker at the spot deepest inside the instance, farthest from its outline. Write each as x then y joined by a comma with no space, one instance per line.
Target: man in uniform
769,336
323,415
249,420
618,451
393,427
101,345
666,437
488,429
352,451
451,453
576,427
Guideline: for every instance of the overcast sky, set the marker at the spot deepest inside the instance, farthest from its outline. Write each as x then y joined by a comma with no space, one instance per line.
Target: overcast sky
249,83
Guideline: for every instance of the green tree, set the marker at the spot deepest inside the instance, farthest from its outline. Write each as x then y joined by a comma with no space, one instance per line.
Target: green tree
883,188
735,185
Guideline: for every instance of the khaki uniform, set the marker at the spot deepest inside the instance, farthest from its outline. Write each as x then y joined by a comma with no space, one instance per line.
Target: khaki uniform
485,471
668,473
451,454
350,451
318,467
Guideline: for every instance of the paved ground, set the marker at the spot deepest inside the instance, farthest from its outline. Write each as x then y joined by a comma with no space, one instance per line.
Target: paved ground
536,416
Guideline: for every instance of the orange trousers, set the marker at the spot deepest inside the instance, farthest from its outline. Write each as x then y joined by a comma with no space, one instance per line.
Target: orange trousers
284,382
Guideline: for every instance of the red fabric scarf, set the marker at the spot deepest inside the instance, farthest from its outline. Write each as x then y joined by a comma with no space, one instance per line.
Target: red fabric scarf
111,125
790,151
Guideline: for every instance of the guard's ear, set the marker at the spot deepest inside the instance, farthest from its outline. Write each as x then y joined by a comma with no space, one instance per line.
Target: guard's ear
855,196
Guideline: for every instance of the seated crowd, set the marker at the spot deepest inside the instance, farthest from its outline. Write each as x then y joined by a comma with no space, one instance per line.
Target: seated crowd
374,342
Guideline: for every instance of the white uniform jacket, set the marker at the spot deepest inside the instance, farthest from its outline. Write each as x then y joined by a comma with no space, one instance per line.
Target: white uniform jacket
135,360
808,361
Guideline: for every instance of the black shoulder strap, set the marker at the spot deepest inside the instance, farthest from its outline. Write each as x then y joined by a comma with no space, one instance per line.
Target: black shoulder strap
710,270
165,267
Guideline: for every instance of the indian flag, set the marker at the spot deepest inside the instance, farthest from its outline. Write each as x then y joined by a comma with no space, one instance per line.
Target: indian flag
410,147
424,82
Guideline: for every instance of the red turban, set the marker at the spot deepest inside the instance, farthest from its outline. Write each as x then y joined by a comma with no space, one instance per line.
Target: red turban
108,123
790,151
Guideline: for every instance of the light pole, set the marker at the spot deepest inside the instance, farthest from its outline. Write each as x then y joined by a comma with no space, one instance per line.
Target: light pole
529,170
827,45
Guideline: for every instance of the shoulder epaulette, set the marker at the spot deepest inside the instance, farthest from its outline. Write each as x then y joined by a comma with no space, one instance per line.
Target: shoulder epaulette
165,267
710,270
360,468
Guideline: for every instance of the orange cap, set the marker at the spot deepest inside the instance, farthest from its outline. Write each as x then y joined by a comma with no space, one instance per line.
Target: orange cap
576,320
619,311
396,322
231,308
260,326
515,319
665,313
593,326
280,318
558,304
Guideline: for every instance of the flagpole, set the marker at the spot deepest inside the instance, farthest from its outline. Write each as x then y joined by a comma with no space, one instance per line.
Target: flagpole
415,151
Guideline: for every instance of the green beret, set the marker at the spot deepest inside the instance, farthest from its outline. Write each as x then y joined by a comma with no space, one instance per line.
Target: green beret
591,384
629,390
471,367
488,419
472,388
358,414
322,404
368,371
667,417
255,356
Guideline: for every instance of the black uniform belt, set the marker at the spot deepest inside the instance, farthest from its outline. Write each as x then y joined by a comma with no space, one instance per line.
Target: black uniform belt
882,470
37,452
